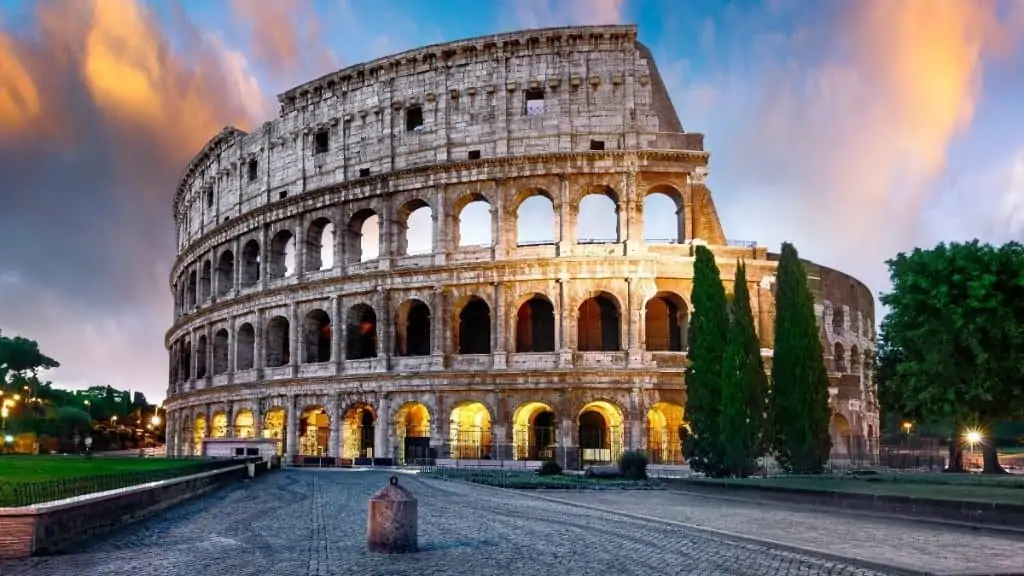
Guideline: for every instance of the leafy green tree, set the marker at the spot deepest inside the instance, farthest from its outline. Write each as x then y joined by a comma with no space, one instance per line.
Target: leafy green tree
21,356
799,392
708,333
744,387
952,345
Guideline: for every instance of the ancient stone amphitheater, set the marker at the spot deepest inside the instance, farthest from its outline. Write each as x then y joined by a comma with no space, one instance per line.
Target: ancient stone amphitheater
406,264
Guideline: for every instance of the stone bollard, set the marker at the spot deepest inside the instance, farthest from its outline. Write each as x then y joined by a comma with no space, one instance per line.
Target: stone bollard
392,526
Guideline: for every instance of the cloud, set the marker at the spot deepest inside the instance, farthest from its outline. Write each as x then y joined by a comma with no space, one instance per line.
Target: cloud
842,133
285,36
99,112
550,13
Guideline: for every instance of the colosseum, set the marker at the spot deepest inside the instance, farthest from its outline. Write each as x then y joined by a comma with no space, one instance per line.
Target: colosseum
475,250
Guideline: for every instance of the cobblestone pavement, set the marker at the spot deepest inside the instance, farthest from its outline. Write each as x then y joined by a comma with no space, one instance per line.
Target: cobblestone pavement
314,523
921,546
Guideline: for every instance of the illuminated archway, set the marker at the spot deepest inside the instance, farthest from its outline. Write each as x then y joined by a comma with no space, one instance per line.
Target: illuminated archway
534,432
219,425
198,435
666,431
412,431
359,423
314,431
840,432
600,432
275,425
471,431
244,424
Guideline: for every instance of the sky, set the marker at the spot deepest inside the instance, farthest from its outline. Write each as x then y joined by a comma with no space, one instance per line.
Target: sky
855,129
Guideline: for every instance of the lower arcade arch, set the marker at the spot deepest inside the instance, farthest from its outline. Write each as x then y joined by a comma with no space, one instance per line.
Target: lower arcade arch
359,425
244,424
314,431
534,431
599,426
666,433
412,433
470,431
219,425
275,425
198,434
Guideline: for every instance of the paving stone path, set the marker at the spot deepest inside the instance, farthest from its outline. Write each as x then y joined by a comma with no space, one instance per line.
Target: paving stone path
921,546
308,523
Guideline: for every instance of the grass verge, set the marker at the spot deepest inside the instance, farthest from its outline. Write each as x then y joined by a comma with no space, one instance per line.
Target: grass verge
531,481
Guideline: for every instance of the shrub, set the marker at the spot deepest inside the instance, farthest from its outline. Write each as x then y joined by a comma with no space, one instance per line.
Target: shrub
549,468
633,465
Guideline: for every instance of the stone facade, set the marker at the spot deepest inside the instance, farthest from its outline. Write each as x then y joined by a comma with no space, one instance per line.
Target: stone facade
291,323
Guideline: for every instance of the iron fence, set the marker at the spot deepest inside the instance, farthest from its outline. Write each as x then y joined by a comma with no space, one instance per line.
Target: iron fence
15,493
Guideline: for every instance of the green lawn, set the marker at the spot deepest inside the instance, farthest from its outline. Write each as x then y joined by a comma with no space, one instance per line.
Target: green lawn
532,481
967,487
28,480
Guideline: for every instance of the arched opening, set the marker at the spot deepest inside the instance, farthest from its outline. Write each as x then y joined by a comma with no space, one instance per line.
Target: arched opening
362,333
186,360
219,425
282,255
205,281
534,432
245,347
665,323
598,329
220,351
600,432
855,361
362,236
598,218
201,351
470,431
360,421
535,325
225,272
839,358
474,335
245,424
412,329
316,330
198,435
416,228
314,432
664,221
250,273
183,438
190,292
319,246
666,432
412,430
838,319
535,220
275,425
839,429
278,347
474,227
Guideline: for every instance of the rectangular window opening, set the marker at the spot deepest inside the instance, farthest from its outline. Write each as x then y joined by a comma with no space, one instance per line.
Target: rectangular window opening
474,155
597,144
252,451
253,165
239,451
535,102
209,199
282,195
321,142
413,118
364,172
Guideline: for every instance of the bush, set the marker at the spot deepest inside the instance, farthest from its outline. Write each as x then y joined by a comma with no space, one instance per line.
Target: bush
549,468
633,465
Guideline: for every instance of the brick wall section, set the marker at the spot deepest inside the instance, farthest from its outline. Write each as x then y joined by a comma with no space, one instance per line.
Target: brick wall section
31,531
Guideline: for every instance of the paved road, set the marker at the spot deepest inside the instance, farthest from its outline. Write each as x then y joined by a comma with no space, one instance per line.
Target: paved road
313,524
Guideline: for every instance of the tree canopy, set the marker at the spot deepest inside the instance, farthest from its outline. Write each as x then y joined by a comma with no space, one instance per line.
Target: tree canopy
19,356
952,345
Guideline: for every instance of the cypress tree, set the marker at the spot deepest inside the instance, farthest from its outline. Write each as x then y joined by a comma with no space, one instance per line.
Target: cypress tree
708,333
799,394
744,386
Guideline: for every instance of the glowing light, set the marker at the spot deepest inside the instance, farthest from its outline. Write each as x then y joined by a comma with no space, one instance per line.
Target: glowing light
973,437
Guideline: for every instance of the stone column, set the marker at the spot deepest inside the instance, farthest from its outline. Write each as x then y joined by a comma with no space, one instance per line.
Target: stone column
632,231
336,322
229,413
258,414
259,349
294,346
292,439
236,267
264,253
438,321
382,430
498,325
340,228
563,220
232,350
562,328
634,351
502,242
441,237
334,446
300,249
385,330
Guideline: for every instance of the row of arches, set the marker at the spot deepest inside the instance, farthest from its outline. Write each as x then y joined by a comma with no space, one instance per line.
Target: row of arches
851,363
536,431
599,328
598,222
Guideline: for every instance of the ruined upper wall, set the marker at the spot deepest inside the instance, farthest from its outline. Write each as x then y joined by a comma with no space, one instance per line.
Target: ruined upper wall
553,90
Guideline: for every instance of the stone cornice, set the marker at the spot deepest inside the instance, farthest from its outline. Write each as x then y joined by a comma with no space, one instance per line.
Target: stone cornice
557,163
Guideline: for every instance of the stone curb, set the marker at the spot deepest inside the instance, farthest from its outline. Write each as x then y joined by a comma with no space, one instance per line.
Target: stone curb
995,529
894,569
